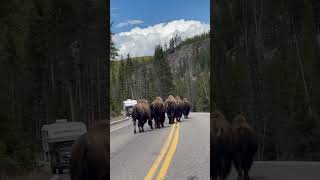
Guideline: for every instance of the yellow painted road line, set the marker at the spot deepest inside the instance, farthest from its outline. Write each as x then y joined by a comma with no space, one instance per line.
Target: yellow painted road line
167,161
165,148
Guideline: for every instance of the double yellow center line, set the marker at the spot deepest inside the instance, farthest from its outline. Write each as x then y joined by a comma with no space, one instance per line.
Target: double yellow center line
166,163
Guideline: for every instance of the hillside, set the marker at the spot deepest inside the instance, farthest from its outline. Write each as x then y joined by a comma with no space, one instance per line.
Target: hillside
147,77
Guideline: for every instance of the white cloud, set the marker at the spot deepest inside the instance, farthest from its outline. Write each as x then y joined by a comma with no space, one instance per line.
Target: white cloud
122,24
129,22
135,21
141,41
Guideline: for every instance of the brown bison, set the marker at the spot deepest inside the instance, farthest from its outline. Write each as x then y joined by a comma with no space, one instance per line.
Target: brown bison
170,107
141,112
221,146
158,112
90,154
179,108
186,108
244,146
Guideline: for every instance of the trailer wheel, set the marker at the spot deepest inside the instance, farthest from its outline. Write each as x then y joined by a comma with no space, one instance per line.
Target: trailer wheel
53,170
60,170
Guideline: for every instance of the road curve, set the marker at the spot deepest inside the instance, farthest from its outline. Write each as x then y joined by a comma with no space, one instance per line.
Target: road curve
186,157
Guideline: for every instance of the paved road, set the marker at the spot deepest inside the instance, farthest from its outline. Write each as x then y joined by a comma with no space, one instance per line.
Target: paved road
187,156
182,151
291,170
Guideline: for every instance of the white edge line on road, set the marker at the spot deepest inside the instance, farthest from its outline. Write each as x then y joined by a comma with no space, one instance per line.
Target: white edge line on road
55,177
121,127
119,120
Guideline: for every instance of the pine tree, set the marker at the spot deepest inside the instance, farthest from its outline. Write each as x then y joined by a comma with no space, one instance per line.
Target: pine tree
113,50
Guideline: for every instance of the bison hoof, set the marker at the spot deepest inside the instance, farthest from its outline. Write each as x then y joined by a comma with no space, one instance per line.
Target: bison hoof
134,131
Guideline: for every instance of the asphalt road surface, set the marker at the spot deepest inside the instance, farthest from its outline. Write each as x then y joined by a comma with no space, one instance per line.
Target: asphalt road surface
182,152
179,151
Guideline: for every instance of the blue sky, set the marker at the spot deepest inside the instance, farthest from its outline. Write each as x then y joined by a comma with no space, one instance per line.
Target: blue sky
157,11
139,25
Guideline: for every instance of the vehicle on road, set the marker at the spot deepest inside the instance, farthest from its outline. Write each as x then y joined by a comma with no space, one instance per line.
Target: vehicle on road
57,140
128,106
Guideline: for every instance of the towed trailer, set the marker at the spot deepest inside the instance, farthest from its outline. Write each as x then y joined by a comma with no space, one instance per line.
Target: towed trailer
128,106
57,141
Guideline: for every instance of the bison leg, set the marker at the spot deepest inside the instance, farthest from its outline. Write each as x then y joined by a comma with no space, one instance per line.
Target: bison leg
150,123
156,122
139,125
162,120
134,126
142,124
246,168
246,175
237,165
240,175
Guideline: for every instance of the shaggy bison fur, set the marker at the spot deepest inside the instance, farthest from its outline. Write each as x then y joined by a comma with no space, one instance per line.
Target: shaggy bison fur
244,146
141,112
221,146
158,112
170,107
90,154
179,108
186,108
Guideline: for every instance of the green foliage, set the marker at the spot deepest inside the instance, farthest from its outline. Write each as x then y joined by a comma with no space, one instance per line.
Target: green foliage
261,71
113,50
52,65
159,76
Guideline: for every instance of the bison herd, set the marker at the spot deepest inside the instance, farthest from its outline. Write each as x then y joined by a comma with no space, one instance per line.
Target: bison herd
145,112
232,143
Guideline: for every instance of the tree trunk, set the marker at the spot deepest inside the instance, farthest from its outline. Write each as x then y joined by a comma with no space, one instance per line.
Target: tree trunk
71,101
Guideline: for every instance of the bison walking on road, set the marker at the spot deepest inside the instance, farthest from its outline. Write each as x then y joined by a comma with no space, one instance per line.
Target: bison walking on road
170,107
186,108
179,108
90,154
141,112
158,112
221,146
244,146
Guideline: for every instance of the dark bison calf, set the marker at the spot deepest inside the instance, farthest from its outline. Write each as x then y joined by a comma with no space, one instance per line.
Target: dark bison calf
90,154
186,108
141,112
244,146
158,112
170,107
221,146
